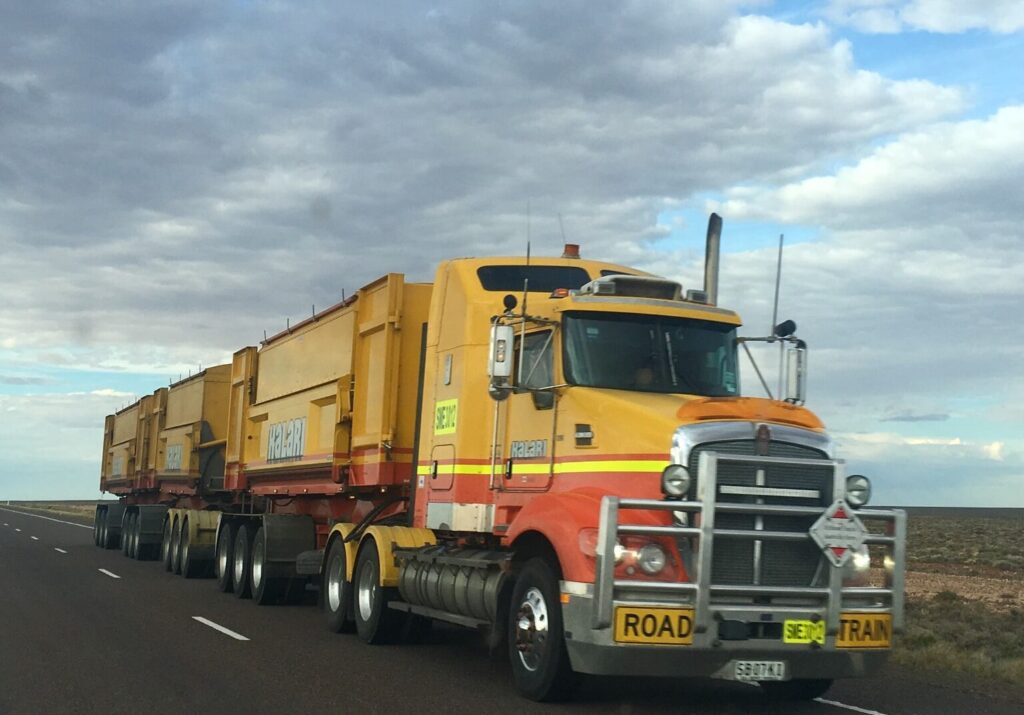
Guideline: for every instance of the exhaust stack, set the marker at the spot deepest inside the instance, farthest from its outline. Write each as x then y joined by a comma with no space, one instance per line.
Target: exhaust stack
711,251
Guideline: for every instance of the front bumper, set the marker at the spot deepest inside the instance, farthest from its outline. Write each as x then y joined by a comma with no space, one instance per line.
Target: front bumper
732,622
595,652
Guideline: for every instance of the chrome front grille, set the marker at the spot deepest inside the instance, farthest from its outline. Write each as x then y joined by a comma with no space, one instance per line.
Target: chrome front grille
767,563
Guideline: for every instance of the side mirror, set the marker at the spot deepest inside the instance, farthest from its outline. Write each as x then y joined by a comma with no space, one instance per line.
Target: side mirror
796,374
499,364
499,361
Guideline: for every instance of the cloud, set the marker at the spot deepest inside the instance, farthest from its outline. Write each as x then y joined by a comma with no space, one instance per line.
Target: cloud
941,16
168,164
20,380
910,416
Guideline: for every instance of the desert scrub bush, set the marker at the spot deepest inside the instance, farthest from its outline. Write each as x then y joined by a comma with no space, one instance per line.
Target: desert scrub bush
949,634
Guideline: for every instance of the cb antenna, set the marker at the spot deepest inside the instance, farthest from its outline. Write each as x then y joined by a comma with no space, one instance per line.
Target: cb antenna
561,226
775,310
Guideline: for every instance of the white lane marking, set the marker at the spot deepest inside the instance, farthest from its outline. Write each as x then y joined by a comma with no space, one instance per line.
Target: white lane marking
60,550
17,529
35,538
6,524
833,703
48,518
854,708
108,573
218,627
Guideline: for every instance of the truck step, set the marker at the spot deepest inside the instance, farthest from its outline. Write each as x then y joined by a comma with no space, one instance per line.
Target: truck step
458,620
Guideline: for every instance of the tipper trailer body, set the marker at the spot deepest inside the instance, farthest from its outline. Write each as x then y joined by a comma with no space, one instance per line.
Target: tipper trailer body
552,451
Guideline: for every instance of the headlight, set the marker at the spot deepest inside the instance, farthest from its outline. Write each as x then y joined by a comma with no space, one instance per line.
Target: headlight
675,480
857,571
858,490
651,559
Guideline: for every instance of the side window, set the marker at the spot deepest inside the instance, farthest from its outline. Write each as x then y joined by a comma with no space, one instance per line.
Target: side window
538,360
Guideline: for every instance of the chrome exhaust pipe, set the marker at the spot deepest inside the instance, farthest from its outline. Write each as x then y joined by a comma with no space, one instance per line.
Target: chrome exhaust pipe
711,253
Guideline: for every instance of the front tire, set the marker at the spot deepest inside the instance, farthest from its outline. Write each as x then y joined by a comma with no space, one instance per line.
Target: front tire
376,623
540,660
337,589
795,690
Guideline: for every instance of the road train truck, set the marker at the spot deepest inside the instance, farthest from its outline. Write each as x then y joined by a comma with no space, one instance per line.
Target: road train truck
553,451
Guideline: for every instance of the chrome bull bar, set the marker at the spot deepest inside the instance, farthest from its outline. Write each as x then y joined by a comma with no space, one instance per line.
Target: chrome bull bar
701,592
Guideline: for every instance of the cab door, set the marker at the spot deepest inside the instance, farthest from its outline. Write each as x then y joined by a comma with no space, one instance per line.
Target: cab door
528,446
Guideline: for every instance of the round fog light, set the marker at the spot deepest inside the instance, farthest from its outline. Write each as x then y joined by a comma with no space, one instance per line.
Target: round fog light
858,490
675,480
651,559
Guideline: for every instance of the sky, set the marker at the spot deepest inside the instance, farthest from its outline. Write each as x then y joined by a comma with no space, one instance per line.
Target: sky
178,177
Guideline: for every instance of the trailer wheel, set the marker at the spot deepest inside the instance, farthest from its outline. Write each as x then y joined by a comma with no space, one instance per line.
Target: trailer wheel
536,642
126,533
224,564
176,546
795,690
190,568
242,561
97,522
165,544
375,622
265,588
133,536
337,590
107,540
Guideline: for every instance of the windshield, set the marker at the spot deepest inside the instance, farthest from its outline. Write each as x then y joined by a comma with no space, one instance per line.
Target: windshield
650,353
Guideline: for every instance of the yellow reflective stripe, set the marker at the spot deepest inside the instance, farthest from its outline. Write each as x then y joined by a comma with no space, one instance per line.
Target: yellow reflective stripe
611,465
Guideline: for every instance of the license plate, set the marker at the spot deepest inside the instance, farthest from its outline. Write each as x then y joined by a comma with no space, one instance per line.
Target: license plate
660,626
760,670
864,630
794,631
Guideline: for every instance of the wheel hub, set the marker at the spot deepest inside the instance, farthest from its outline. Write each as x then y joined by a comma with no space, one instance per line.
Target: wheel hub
531,636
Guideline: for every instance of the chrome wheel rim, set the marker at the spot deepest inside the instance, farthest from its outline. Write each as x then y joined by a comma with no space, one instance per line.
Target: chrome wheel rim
367,590
335,582
165,544
532,629
222,553
258,551
239,570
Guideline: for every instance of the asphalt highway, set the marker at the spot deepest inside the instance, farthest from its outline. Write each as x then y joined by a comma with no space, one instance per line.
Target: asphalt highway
83,630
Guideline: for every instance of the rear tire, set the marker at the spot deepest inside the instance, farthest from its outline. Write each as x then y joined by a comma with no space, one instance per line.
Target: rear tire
376,623
108,538
225,551
536,640
795,690
165,544
242,561
126,534
133,537
176,545
97,522
337,589
190,566
265,589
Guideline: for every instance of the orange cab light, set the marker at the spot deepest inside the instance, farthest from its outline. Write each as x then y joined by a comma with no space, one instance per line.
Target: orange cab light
560,293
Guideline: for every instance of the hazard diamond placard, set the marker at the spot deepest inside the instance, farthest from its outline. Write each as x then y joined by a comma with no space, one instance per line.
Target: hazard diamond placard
838,532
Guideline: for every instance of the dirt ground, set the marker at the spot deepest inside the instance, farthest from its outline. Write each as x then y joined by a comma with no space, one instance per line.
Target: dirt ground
1000,590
